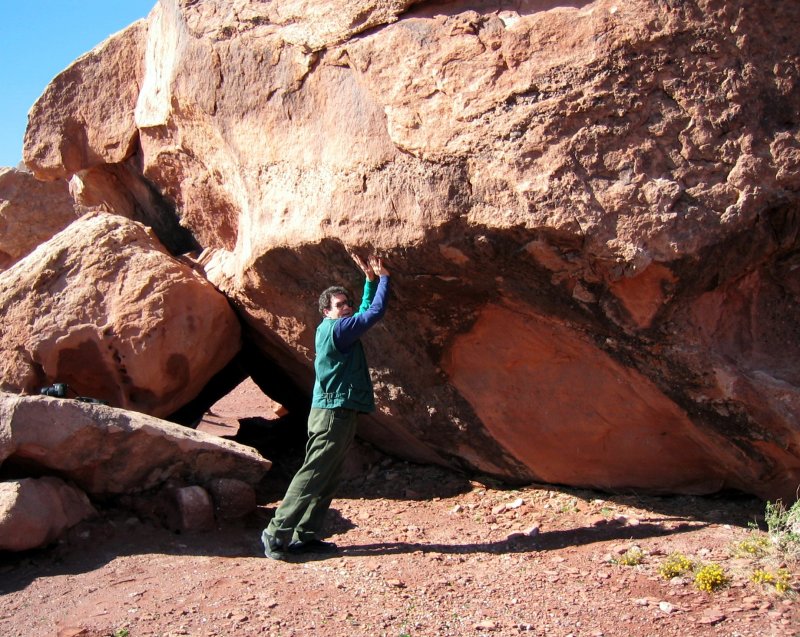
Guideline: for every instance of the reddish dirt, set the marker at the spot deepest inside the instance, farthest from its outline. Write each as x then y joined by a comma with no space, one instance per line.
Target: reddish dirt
423,552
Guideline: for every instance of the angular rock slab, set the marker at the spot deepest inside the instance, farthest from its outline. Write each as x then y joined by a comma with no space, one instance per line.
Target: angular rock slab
108,451
35,511
105,309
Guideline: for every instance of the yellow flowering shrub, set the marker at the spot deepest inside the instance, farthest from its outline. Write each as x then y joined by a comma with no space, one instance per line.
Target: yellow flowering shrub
754,546
779,580
710,578
675,565
632,557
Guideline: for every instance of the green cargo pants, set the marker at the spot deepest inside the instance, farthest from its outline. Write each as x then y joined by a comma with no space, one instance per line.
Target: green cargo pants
302,513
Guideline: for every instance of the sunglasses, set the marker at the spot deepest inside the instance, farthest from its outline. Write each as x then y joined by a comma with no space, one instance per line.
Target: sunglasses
340,304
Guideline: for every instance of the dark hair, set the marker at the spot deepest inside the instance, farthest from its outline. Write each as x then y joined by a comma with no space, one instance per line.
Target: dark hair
325,297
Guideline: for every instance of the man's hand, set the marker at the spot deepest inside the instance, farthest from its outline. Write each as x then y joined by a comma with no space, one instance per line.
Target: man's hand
368,270
376,263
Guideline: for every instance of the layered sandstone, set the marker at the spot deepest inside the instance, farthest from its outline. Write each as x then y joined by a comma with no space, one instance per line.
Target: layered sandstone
590,210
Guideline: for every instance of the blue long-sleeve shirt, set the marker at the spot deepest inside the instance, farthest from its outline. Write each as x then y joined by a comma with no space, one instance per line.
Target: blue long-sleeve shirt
373,306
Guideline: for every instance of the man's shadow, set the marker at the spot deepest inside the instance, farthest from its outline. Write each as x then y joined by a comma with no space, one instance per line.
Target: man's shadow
516,543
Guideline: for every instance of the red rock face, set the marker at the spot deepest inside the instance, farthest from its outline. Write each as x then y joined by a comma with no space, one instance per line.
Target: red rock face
31,212
590,210
568,410
94,125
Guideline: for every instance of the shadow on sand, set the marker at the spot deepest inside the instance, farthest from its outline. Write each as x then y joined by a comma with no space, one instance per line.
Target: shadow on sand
516,543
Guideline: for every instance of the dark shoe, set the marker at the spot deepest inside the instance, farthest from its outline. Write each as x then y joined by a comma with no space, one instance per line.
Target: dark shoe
273,547
312,546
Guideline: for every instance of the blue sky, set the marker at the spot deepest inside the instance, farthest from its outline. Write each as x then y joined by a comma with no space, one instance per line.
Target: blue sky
38,40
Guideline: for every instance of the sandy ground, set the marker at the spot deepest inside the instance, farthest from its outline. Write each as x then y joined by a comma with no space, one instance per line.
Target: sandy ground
423,552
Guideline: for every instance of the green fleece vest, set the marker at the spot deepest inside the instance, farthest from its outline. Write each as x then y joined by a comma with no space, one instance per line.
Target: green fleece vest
342,379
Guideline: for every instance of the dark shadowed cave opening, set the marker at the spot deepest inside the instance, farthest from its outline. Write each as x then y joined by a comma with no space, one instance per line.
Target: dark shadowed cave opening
280,440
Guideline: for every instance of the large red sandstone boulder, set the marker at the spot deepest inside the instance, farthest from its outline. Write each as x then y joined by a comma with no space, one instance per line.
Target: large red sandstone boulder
105,309
31,211
590,211
91,138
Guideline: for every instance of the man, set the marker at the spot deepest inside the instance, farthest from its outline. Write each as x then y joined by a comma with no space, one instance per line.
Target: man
342,390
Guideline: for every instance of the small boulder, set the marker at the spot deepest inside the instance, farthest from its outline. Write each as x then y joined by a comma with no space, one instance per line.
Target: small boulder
195,511
232,498
36,511
108,451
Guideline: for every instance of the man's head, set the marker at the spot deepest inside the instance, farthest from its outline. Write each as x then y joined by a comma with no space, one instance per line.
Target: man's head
336,302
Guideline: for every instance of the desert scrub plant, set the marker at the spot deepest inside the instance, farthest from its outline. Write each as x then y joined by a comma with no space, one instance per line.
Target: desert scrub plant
710,578
779,580
675,565
632,557
757,545
783,527
570,506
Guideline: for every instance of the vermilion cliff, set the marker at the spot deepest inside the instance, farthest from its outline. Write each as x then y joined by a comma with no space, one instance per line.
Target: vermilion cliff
590,209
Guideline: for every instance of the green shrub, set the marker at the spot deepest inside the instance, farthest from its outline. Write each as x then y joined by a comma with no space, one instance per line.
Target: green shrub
783,527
